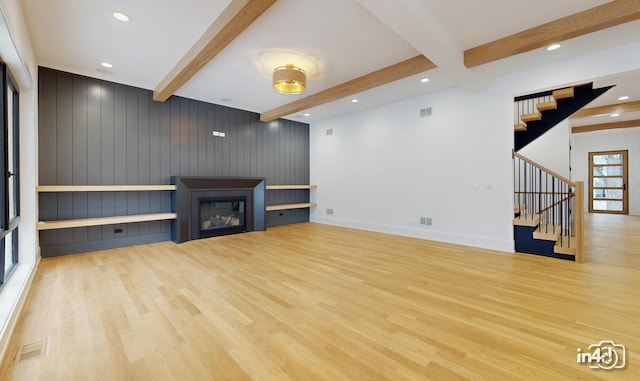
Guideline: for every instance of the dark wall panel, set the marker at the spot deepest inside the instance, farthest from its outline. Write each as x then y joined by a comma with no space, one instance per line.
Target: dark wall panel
101,133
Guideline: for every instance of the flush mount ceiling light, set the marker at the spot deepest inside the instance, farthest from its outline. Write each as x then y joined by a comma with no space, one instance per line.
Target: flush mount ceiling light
106,64
623,98
289,79
553,47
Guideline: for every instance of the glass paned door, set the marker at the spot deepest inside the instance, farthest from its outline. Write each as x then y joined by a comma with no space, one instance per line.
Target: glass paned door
608,173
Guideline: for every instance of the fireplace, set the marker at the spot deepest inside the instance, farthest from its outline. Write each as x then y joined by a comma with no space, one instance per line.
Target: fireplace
213,206
218,216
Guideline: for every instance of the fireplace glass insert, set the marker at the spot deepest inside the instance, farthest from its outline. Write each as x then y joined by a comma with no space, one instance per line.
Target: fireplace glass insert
221,216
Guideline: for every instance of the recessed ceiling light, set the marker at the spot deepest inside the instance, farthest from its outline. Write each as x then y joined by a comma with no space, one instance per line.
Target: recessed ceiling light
307,114
106,64
121,16
553,47
615,114
623,98
354,101
425,80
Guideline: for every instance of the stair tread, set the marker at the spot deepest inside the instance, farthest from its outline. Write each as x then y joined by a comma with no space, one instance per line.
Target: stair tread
520,127
545,106
519,208
531,117
566,245
527,220
563,93
547,232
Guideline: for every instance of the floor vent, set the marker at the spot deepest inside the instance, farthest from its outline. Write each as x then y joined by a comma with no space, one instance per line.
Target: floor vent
33,350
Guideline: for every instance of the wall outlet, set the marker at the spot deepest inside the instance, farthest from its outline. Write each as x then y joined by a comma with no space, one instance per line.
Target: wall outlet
425,221
330,212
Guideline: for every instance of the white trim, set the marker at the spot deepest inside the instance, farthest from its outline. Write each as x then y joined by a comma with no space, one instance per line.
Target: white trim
14,296
431,235
25,81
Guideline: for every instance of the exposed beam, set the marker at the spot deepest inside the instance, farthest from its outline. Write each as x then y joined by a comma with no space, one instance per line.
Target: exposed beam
606,126
591,20
419,25
620,108
235,18
377,78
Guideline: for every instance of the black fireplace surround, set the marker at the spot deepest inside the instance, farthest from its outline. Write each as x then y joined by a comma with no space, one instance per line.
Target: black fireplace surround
213,206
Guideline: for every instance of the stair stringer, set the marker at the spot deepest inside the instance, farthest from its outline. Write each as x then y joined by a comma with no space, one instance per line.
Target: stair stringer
566,107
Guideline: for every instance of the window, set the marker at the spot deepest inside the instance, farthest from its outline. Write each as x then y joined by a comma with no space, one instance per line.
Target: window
9,175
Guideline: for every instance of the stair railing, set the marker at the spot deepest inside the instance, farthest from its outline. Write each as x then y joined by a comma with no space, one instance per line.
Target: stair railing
557,202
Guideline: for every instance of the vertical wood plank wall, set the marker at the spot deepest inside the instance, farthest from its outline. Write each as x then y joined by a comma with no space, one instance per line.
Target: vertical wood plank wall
98,132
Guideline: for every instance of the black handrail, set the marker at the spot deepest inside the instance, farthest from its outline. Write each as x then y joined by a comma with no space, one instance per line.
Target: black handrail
546,195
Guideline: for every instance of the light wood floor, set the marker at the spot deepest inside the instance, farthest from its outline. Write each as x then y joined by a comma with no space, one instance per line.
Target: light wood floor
314,302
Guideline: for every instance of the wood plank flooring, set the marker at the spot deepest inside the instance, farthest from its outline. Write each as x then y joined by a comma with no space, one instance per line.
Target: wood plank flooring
315,302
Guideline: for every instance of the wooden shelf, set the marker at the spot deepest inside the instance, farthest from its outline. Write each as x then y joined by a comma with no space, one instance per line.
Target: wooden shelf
291,206
83,222
104,188
276,187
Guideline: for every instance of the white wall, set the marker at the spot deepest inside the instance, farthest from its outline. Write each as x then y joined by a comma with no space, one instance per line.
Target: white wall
384,168
610,140
17,53
551,150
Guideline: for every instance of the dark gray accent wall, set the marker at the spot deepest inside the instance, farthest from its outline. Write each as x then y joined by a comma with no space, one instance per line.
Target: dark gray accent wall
95,132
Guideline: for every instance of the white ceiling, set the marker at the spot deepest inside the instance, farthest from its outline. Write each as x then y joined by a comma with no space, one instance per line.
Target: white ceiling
333,40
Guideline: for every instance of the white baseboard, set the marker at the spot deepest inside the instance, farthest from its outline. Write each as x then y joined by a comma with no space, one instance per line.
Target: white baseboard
506,246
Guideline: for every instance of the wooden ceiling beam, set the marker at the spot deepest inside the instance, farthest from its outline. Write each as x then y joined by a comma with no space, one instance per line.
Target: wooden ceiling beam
235,18
591,20
377,78
606,126
610,109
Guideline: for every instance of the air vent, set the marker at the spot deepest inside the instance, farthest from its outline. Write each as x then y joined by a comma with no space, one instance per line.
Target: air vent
425,112
329,131
33,350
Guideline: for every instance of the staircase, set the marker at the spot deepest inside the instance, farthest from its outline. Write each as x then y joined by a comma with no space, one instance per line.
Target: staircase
537,113
548,211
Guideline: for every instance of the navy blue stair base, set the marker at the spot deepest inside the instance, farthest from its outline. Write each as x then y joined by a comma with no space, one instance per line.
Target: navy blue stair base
525,243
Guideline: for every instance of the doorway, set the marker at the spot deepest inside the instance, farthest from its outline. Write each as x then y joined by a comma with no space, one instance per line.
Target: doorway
608,173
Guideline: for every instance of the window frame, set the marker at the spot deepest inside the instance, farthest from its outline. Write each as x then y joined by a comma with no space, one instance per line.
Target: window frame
8,225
